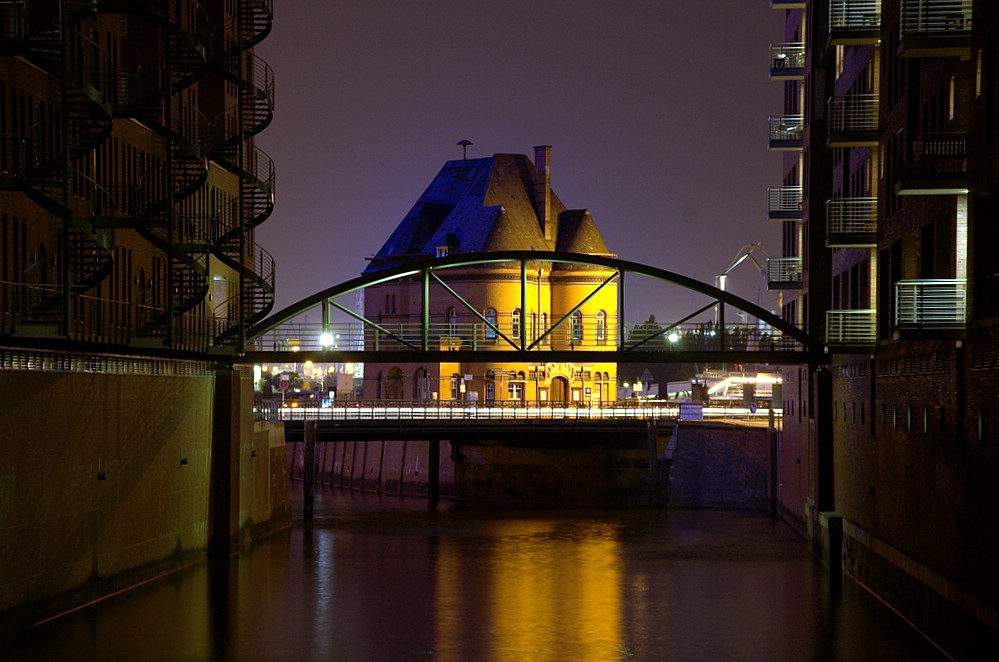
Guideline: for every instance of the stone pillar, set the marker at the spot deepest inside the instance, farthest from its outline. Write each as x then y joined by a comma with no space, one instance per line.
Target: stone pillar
223,488
309,472
434,471
825,495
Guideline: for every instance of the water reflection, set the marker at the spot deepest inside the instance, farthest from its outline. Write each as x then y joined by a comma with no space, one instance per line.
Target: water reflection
382,579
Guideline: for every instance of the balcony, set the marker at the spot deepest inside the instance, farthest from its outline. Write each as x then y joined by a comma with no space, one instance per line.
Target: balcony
853,121
787,60
937,304
854,22
933,164
851,328
935,28
784,203
786,133
783,273
852,222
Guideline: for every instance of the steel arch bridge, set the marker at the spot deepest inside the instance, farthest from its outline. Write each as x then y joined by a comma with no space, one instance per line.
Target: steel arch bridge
288,336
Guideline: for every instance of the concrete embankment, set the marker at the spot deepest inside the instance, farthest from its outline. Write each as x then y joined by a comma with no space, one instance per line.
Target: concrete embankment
106,477
720,465
623,473
693,465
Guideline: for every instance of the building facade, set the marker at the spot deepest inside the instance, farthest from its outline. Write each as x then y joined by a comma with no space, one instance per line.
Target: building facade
130,187
501,203
130,184
890,143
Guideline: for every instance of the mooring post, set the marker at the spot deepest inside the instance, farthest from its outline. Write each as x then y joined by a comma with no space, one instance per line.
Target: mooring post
434,489
310,468
772,436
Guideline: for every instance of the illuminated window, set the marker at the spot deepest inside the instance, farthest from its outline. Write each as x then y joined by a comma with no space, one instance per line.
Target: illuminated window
455,386
515,322
978,73
491,323
422,384
951,98
601,326
490,385
576,326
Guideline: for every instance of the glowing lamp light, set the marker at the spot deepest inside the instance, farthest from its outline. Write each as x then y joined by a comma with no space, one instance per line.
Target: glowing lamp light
326,339
673,337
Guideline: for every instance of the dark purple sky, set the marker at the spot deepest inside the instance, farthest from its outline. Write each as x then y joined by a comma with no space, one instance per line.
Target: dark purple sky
656,111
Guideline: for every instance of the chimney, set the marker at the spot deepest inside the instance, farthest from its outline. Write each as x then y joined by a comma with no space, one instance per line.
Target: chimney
543,187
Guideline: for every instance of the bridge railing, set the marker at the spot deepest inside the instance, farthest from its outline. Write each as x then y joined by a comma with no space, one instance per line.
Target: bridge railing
498,411
590,334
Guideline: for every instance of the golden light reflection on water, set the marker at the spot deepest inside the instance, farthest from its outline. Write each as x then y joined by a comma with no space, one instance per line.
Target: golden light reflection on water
554,593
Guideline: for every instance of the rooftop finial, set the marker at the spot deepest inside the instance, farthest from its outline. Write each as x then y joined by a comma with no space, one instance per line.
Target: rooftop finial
464,148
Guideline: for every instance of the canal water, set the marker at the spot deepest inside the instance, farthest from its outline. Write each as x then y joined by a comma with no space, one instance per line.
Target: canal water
376,578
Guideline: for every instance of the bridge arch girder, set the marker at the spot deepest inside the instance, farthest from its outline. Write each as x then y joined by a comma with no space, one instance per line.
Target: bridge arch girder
807,349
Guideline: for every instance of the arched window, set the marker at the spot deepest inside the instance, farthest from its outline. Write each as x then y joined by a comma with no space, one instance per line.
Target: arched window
452,322
601,330
544,325
576,327
534,326
455,386
515,323
422,384
491,325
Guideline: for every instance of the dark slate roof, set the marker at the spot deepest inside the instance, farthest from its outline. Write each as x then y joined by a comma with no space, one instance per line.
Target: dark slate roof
577,233
485,205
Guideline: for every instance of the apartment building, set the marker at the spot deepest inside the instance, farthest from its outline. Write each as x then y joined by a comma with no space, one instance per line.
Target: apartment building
889,139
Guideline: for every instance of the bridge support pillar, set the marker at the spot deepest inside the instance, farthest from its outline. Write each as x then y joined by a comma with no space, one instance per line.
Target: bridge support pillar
654,473
309,471
434,479
223,490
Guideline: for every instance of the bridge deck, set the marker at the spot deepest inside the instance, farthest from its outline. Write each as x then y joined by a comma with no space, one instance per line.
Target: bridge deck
527,425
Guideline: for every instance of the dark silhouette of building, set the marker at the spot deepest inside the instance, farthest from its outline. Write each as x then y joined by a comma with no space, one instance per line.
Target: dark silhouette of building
890,142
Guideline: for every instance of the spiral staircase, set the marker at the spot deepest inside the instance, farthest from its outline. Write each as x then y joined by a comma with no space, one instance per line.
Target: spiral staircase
160,204
232,240
45,169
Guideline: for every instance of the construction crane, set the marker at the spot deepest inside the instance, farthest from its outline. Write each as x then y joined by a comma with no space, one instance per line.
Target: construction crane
745,253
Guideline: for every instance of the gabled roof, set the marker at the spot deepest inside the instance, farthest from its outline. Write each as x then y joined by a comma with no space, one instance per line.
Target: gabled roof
485,204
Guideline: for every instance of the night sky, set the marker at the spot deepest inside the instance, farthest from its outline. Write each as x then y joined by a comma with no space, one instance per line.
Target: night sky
656,112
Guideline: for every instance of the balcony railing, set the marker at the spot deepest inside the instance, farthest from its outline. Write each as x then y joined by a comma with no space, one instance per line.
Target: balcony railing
851,328
852,222
935,28
939,303
783,273
933,164
787,60
853,121
786,132
784,203
854,21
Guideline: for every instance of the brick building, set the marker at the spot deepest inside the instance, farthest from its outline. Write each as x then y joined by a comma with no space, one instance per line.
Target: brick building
890,143
130,187
500,203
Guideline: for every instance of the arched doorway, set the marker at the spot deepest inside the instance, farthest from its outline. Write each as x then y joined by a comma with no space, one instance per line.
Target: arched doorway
560,391
393,386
